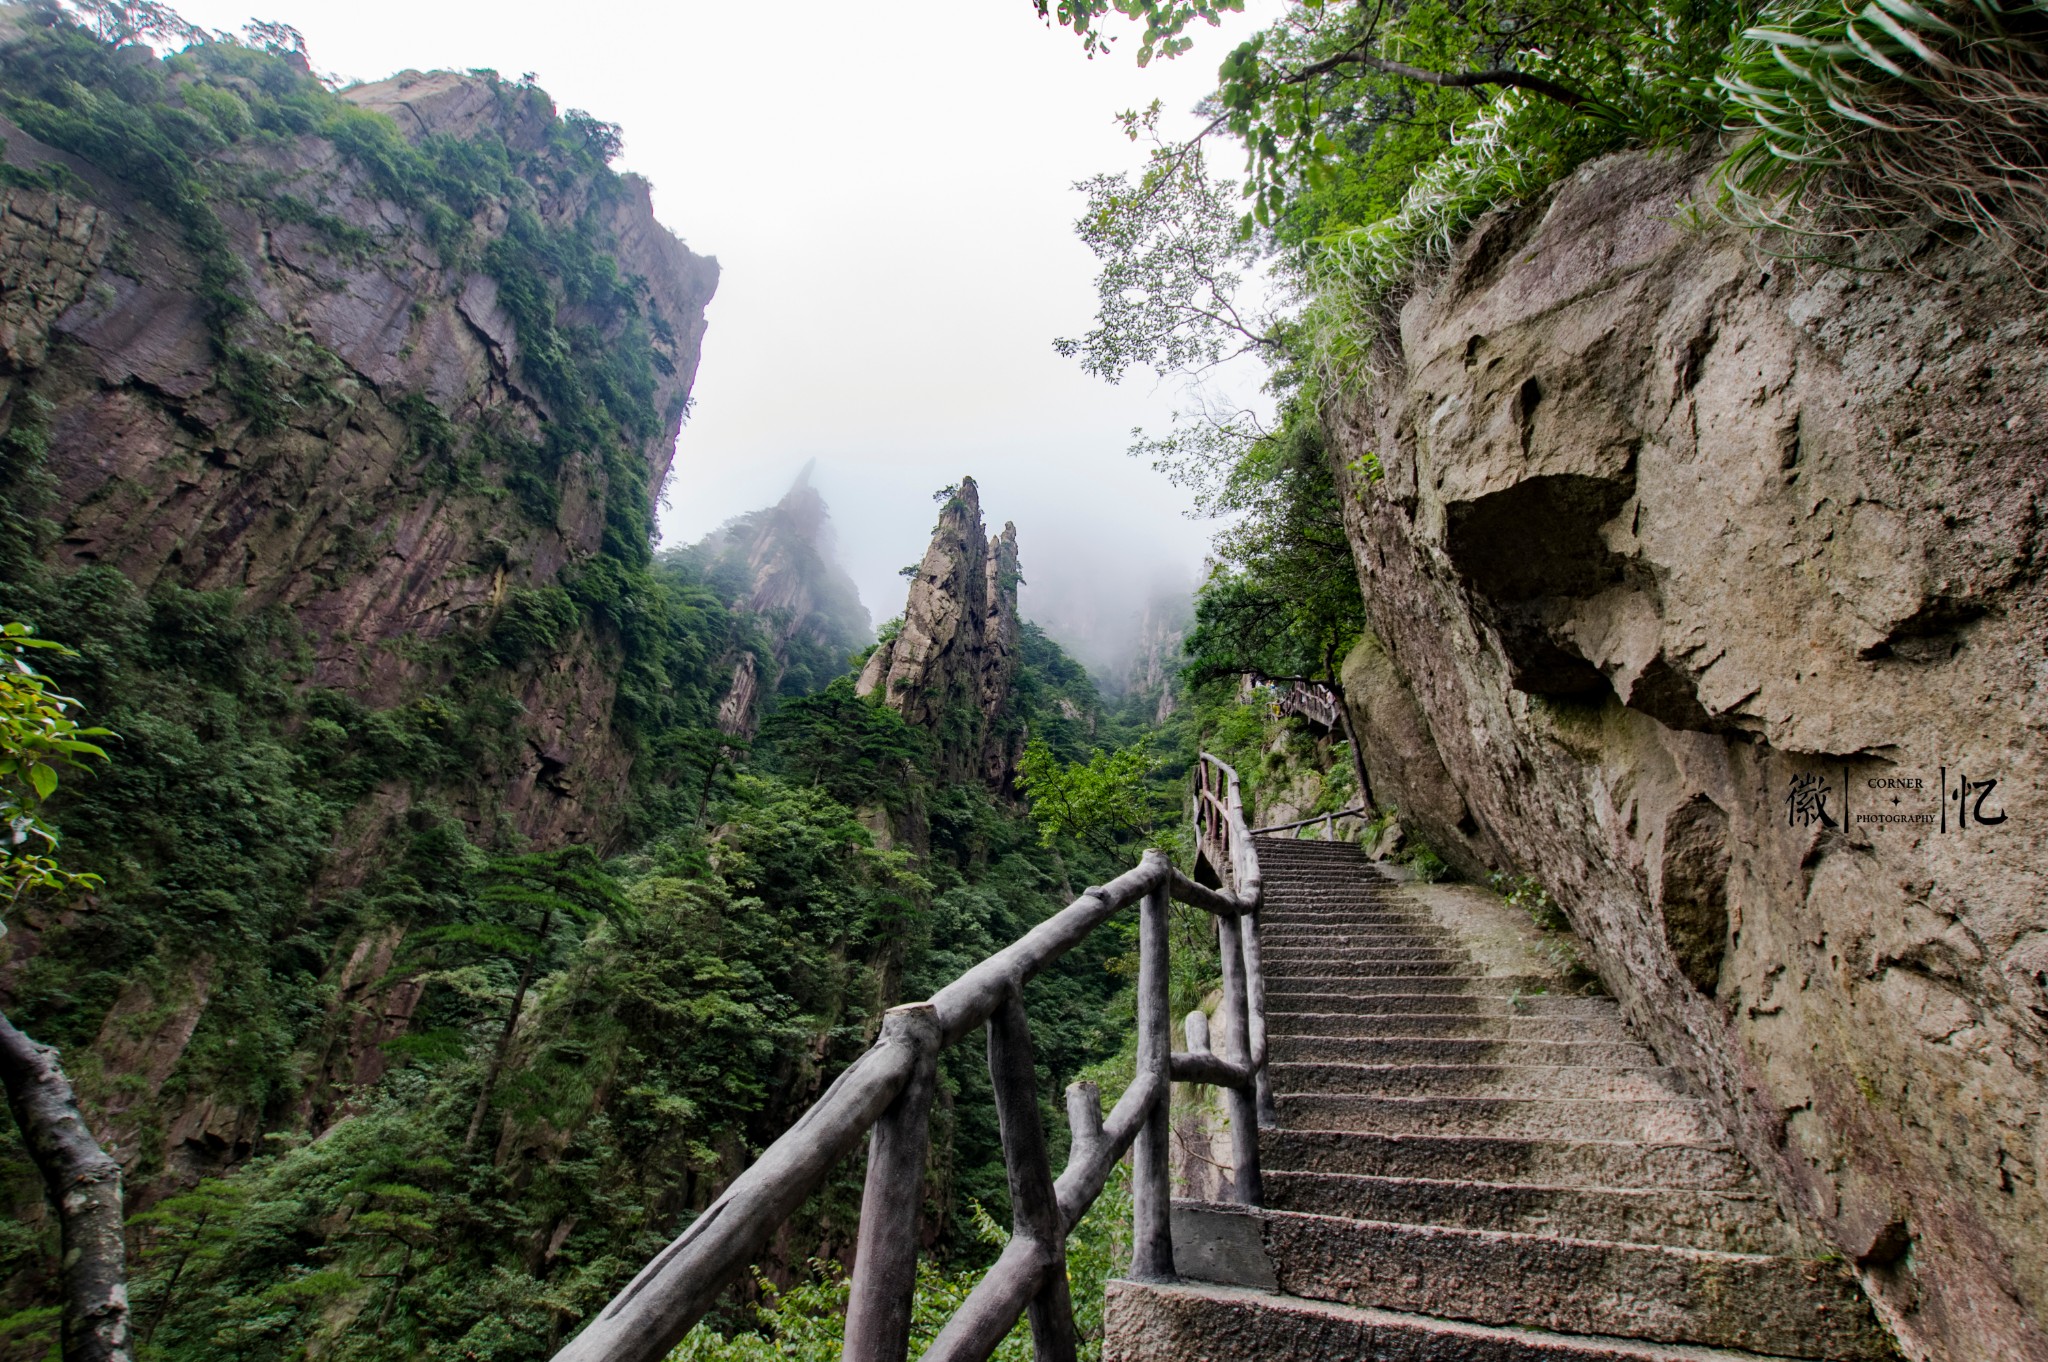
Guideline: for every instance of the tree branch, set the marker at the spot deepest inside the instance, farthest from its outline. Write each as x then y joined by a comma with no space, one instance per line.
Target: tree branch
84,1184
1455,80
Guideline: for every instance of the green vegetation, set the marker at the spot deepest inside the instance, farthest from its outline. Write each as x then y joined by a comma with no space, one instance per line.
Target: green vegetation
1560,943
802,1323
1933,112
1101,801
39,740
1282,600
589,1047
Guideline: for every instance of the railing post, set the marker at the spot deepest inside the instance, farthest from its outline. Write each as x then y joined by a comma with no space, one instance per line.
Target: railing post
1034,1207
1255,1020
885,1257
1236,1041
1151,1183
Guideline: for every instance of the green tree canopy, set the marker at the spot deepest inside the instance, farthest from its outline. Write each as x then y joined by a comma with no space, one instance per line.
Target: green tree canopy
1102,802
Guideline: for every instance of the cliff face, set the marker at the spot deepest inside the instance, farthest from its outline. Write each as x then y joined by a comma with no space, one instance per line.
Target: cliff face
1707,589
342,447
950,668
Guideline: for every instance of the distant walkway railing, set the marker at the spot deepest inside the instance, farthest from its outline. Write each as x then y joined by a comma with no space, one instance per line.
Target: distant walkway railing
1313,701
889,1091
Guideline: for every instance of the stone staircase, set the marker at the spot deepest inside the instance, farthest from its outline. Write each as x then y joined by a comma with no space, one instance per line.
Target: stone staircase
1473,1166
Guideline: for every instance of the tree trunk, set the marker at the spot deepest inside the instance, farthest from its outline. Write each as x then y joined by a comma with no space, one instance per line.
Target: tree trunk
1357,751
85,1186
483,1099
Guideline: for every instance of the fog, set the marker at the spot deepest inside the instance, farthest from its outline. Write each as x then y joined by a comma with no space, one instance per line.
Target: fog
888,193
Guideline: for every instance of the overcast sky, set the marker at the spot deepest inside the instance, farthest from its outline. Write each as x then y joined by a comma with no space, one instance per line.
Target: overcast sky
887,189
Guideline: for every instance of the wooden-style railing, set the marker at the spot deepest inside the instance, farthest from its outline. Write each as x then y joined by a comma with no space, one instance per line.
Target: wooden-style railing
1313,701
1328,820
888,1091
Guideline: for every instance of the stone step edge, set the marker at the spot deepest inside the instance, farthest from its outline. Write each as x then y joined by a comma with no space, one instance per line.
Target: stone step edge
1340,1133
1475,1040
1469,1335
1317,1095
1516,1186
1446,1016
1702,1256
1604,1070
1524,1188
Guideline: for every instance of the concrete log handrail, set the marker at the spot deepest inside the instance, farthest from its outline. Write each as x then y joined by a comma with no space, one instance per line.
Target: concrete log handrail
888,1091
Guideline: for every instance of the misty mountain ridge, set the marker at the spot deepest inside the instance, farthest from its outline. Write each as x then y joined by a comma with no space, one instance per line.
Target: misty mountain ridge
781,565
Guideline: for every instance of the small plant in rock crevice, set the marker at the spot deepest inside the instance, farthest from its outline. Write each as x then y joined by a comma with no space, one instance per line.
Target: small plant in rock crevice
1528,893
1423,862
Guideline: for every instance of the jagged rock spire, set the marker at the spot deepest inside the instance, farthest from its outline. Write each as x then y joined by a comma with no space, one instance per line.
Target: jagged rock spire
951,667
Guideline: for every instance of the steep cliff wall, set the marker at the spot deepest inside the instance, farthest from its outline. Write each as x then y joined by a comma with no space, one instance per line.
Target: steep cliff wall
950,667
338,401
1707,588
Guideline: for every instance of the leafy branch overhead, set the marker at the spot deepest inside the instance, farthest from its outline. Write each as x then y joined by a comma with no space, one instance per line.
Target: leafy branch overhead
38,741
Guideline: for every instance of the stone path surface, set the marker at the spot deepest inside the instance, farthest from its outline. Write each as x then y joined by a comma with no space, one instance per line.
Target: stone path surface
1473,1165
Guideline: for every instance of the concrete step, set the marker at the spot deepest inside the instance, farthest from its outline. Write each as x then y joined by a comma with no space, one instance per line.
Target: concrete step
1159,1322
1352,924
1297,959
1288,879
1340,945
1756,1302
1299,1046
1356,933
1374,925
1302,899
1705,1166
1287,902
1499,986
1426,997
1671,1120
1588,1082
1353,938
1290,869
1454,1026
1724,1222
1332,964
